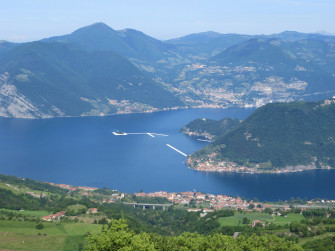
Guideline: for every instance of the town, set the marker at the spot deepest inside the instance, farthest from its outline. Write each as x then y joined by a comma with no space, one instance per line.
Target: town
194,201
210,164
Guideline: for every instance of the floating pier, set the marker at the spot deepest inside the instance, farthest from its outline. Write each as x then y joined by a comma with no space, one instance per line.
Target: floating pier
151,134
205,140
177,150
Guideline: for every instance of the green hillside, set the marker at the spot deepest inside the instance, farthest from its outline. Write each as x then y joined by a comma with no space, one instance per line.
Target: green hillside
279,135
253,71
97,70
24,204
303,60
62,79
209,128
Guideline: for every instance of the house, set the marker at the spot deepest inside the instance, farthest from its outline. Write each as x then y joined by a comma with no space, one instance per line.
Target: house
47,218
53,217
201,196
92,210
255,222
206,210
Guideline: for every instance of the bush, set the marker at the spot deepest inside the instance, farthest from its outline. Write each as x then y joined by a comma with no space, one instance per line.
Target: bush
39,226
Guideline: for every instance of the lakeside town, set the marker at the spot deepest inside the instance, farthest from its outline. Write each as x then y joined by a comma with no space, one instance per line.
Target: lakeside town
203,204
210,164
194,201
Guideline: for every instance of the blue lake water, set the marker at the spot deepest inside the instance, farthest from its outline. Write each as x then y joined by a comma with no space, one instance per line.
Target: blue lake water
84,151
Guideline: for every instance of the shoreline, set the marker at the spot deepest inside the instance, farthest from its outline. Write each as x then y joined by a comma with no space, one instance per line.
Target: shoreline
127,113
232,167
217,200
259,172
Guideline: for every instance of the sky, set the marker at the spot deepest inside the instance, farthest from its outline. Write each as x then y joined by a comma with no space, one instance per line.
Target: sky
29,20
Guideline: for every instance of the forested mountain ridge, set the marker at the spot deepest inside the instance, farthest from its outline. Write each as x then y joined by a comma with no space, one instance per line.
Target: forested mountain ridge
59,79
123,71
290,136
259,71
209,128
128,42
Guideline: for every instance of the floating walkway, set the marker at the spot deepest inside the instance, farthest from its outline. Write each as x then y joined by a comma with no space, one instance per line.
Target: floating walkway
177,150
151,134
205,140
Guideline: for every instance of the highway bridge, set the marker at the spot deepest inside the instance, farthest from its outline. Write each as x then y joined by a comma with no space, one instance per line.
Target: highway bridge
144,205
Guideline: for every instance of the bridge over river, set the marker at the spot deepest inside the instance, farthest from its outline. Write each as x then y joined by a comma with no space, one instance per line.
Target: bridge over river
148,205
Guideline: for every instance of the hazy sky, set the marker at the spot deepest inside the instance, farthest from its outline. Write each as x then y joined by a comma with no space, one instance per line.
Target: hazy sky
27,20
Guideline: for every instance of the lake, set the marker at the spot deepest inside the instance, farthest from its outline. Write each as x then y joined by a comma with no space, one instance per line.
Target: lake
84,151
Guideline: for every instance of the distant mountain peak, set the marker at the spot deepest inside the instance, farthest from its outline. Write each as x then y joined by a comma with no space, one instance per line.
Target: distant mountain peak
128,30
324,33
290,32
210,33
198,37
96,27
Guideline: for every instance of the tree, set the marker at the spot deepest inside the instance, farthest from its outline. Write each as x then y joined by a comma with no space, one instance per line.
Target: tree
245,220
39,226
268,210
251,206
117,237
103,221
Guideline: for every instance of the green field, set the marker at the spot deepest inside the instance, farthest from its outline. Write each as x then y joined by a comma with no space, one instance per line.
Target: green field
21,235
76,207
15,241
287,220
28,212
321,236
21,189
12,188
236,220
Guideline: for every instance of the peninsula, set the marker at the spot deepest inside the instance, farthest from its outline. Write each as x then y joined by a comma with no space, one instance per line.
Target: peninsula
276,138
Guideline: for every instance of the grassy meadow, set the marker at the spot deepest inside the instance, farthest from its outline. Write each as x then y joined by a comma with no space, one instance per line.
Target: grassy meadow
22,235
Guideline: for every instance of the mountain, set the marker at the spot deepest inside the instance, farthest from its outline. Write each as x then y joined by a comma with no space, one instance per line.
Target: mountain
273,57
293,36
206,44
205,69
60,79
128,42
279,135
6,46
197,37
209,128
261,70
138,46
142,48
